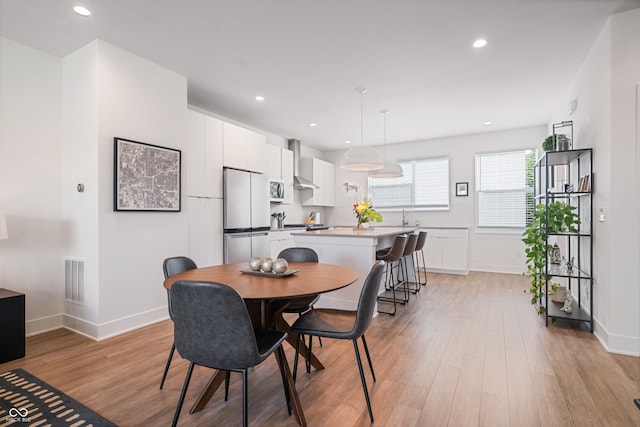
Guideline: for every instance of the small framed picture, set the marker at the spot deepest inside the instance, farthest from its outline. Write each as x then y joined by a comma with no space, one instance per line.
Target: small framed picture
462,188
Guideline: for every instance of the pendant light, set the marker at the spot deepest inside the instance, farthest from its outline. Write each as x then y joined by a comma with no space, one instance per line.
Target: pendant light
361,158
390,168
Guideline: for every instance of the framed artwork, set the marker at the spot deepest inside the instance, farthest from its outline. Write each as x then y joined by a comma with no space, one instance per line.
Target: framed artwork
462,188
146,177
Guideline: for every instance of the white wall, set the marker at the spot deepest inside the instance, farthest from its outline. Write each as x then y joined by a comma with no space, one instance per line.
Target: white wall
606,90
141,101
30,181
499,252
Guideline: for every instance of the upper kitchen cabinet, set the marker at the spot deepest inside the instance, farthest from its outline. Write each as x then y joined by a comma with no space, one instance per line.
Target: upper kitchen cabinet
204,156
280,166
323,174
244,149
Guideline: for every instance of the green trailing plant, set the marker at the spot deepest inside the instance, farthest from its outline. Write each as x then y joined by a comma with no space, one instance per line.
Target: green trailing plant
556,217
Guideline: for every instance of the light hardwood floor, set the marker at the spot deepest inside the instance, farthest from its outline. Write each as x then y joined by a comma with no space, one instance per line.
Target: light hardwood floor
466,351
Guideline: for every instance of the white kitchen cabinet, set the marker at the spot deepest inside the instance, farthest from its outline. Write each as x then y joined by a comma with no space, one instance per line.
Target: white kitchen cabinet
244,149
447,250
205,230
323,174
280,166
203,157
274,161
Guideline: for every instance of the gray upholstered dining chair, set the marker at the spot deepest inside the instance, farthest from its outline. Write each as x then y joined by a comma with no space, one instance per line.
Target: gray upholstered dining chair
170,267
300,254
212,328
345,324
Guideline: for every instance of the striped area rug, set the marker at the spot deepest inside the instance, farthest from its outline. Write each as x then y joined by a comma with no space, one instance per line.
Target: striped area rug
27,400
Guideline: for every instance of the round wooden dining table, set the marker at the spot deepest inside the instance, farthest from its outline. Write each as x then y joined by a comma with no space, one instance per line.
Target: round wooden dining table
266,296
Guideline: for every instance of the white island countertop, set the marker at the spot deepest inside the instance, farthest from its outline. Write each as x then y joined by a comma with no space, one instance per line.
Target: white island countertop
351,232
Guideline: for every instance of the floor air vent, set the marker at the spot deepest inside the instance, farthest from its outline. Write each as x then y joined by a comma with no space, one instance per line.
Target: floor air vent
75,279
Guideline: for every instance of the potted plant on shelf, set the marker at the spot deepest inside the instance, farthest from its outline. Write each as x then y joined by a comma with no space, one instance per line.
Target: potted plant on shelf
556,217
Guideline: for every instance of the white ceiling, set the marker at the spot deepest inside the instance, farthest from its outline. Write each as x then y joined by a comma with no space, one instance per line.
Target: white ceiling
306,57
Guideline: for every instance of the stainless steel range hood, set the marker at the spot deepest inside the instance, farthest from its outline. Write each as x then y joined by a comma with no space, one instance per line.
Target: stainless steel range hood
299,182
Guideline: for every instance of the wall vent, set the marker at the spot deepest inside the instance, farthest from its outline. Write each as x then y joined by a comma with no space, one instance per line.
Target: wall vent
75,279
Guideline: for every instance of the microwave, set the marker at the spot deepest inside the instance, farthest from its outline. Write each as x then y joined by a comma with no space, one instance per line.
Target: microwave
276,190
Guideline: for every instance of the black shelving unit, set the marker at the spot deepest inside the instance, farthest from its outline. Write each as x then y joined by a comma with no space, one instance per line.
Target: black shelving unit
567,176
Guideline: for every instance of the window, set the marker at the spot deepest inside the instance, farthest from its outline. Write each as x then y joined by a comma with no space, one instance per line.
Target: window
504,188
425,185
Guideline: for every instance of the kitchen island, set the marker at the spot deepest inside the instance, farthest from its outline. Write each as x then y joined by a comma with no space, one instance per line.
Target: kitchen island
351,248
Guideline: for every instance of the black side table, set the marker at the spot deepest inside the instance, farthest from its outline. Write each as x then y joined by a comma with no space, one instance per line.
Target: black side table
12,325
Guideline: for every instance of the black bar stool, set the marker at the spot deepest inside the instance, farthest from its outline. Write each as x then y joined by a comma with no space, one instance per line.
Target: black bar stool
422,238
389,256
409,250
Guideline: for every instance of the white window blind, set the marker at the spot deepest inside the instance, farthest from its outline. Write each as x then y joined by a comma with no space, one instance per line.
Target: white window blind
424,184
504,188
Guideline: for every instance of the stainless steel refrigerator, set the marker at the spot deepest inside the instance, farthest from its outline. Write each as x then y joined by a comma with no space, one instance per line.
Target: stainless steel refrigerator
246,216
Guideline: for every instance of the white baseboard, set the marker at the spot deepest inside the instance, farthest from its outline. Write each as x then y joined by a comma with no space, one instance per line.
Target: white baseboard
628,346
497,268
43,324
112,328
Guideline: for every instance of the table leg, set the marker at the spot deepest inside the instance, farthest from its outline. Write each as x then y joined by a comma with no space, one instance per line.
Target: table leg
209,391
296,406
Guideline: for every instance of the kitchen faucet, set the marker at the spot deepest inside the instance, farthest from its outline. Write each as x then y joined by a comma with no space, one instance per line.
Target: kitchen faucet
405,221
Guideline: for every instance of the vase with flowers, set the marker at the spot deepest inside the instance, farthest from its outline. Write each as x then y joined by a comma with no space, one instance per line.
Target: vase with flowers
365,213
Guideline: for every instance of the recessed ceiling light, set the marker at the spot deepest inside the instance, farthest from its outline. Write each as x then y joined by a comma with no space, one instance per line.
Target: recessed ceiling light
347,142
487,123
479,43
82,11
313,124
260,98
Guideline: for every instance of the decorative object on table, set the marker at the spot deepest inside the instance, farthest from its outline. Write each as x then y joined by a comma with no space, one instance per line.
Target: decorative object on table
351,187
146,177
254,264
27,399
287,273
266,265
557,217
390,168
555,257
365,213
462,188
567,303
280,265
361,158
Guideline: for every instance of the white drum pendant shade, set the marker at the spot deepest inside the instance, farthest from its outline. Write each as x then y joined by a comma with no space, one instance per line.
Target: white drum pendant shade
361,159
390,169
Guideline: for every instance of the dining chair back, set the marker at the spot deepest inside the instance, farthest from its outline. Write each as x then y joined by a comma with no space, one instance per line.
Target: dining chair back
345,324
212,328
171,267
299,254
